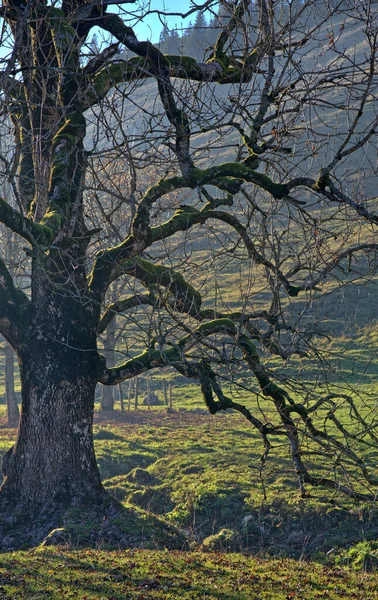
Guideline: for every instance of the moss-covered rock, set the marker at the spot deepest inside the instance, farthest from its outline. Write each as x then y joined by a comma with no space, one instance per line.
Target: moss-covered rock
226,540
142,477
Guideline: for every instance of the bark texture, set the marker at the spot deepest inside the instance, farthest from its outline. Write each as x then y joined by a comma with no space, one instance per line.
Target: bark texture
13,413
52,466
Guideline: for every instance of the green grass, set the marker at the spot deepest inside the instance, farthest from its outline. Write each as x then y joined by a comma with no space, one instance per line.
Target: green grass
143,575
203,475
206,476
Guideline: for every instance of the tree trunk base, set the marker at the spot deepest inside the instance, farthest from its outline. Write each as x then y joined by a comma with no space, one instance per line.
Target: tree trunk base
105,524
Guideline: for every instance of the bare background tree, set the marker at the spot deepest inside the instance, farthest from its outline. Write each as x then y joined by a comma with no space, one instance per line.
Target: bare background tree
162,177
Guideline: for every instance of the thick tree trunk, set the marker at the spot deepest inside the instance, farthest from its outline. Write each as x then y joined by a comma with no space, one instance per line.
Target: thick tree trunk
52,490
52,466
53,459
13,414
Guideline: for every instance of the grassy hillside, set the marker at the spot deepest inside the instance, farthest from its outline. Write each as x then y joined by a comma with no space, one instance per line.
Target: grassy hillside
143,575
204,475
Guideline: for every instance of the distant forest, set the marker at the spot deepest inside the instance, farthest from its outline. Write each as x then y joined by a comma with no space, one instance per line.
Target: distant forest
194,39
200,35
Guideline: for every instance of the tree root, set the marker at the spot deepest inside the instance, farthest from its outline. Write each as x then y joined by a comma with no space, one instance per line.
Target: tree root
107,524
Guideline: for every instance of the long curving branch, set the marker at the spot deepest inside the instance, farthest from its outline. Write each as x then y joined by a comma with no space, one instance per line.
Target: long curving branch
285,406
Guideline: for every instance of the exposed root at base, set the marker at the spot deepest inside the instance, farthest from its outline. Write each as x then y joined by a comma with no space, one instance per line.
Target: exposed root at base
108,524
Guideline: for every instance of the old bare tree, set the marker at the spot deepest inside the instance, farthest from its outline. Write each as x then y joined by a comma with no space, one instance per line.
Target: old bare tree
288,203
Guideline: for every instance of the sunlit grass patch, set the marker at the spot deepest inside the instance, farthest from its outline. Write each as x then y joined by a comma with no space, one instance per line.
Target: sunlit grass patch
141,574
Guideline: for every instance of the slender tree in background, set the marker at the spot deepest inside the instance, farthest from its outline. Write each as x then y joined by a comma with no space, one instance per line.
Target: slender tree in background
286,206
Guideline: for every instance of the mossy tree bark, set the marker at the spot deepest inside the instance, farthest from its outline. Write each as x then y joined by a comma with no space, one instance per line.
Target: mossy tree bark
52,465
13,413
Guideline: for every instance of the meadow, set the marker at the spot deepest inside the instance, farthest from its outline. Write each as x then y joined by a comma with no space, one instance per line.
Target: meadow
147,574
235,529
206,518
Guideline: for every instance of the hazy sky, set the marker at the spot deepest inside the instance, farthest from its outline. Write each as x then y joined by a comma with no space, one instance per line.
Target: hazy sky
151,26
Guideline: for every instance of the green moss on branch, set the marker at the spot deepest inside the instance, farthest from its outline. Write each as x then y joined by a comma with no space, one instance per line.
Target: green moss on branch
114,73
217,326
238,171
66,160
323,180
250,353
34,233
64,37
183,294
227,176
52,222
147,360
183,219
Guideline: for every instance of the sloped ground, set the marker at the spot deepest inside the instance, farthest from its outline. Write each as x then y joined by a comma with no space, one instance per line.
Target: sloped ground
143,575
202,475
